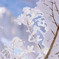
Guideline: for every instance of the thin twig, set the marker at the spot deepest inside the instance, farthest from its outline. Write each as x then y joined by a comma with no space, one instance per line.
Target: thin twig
53,15
33,35
56,8
52,32
45,4
57,53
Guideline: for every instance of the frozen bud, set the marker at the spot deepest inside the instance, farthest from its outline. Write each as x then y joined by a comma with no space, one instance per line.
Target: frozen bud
30,49
26,10
15,39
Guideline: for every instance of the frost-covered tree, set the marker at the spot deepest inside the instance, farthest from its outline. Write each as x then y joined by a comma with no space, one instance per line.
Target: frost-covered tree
43,27
50,10
34,21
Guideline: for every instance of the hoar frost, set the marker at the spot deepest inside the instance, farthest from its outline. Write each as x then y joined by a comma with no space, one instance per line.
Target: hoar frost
43,27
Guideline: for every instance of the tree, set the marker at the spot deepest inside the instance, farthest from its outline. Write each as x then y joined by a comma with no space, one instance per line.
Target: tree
51,15
43,28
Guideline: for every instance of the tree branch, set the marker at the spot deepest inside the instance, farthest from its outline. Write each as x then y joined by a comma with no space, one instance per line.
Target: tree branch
56,7
52,32
51,46
55,35
33,35
57,53
53,15
45,4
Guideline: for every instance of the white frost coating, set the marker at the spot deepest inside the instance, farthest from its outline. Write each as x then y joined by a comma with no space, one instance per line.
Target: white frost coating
46,8
26,10
17,43
10,50
33,19
30,49
29,18
40,54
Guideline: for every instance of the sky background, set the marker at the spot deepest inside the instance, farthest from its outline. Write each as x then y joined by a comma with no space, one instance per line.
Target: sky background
16,6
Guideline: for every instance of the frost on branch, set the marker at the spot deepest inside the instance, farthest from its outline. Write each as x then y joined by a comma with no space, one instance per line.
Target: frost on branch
33,19
43,27
50,10
9,53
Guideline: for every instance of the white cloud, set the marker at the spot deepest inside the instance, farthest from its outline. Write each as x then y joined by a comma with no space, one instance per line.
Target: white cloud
3,11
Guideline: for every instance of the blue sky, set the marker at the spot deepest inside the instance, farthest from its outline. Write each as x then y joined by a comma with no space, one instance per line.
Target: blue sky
16,6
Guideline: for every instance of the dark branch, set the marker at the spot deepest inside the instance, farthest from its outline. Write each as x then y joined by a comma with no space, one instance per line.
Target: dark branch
52,32
57,53
51,46
55,35
33,35
56,8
